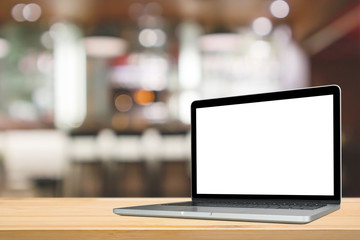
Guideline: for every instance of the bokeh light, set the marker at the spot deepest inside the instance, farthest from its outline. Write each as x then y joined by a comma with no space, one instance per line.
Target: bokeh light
157,112
120,121
17,12
4,47
279,8
260,49
123,103
104,46
152,37
144,97
32,12
46,40
262,26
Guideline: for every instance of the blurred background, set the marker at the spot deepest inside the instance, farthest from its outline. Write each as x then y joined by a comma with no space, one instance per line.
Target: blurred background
95,95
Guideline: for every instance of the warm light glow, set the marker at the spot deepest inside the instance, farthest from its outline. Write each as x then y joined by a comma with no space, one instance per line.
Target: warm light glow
123,103
144,97
32,12
104,47
17,12
262,26
279,8
120,121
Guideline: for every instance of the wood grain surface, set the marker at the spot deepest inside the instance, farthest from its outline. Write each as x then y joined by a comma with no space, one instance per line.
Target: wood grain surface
92,218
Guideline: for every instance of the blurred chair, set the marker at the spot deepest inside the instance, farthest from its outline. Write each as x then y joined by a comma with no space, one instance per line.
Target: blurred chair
2,167
130,177
35,155
105,144
175,179
86,175
151,145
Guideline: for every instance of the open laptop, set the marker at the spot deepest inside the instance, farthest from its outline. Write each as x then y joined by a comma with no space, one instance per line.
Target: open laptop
272,157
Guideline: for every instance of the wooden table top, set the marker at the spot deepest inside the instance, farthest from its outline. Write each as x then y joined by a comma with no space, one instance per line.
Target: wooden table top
92,218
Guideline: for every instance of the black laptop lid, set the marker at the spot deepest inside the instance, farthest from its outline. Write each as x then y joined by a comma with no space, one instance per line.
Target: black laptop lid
281,145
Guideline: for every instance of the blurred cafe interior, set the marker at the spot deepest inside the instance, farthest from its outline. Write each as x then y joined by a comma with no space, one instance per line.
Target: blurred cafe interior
95,95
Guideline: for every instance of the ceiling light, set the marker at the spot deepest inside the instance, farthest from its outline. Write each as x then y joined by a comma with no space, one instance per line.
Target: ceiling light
279,8
262,26
152,37
104,47
32,12
17,12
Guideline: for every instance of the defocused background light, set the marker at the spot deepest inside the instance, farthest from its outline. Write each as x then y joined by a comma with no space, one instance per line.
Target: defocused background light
152,37
44,63
22,110
147,38
161,37
135,10
189,57
282,33
17,12
4,47
104,46
219,42
46,40
27,64
156,112
279,8
123,103
260,49
153,8
120,121
262,26
154,71
185,100
32,12
144,97
43,99
69,76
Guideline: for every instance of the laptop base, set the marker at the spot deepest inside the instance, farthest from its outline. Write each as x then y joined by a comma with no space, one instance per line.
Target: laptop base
235,214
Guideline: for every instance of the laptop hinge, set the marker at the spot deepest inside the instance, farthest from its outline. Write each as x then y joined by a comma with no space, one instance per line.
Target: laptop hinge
263,200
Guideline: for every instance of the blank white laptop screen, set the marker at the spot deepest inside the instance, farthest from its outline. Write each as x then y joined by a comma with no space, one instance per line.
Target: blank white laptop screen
280,147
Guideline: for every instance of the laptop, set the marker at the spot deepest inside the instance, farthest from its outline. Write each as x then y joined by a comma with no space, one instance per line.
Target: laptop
270,157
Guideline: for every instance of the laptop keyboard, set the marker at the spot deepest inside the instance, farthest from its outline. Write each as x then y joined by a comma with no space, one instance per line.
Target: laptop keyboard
268,205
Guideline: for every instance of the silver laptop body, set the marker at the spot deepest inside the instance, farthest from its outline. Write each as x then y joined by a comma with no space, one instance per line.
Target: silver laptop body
271,157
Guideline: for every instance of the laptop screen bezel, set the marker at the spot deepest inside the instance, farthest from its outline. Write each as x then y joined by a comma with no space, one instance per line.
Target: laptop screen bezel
290,94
